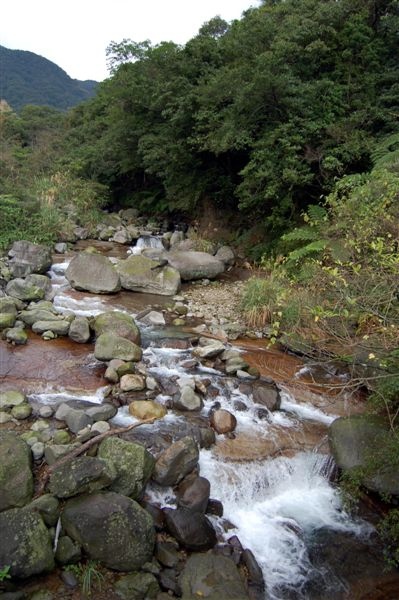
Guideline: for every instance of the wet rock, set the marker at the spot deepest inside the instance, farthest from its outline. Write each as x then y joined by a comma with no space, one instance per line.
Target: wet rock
32,315
167,554
60,247
11,398
267,394
16,480
16,335
111,528
168,581
191,529
76,419
37,450
109,346
354,441
132,463
139,273
79,330
194,494
117,323
27,258
59,327
195,265
223,421
255,575
81,475
25,543
214,507
54,452
132,383
147,409
8,313
122,236
153,317
176,461
68,551
187,400
93,273
137,586
212,577
208,348
100,427
101,412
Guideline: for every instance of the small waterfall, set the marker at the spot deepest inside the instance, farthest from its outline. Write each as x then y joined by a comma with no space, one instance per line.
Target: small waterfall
146,241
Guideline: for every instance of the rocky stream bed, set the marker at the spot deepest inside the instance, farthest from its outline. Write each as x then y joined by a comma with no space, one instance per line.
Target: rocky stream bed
154,440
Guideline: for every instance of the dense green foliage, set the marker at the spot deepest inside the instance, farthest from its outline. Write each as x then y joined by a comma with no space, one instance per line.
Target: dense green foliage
262,115
27,78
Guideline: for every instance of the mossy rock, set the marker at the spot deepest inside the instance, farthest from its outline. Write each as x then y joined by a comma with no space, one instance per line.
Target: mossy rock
16,480
117,323
109,346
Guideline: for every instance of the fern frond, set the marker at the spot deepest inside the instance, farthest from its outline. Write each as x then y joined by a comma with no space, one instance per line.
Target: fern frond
310,249
302,234
316,213
387,151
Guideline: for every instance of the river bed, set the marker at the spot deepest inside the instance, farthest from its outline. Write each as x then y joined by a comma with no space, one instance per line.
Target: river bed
274,476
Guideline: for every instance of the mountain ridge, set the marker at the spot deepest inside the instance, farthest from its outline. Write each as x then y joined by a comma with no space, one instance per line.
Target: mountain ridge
28,78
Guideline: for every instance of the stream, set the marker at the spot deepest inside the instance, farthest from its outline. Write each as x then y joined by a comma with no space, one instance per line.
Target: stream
274,477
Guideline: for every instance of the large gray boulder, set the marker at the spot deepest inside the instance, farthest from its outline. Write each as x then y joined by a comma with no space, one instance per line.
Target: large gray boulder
111,528
93,273
141,274
109,346
213,577
84,474
27,258
176,462
117,323
132,463
25,543
358,442
16,480
195,265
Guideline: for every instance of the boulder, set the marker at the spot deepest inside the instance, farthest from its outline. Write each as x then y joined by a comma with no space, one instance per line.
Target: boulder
117,323
122,236
84,474
187,399
16,335
195,265
7,307
267,394
109,346
153,317
191,529
213,577
176,462
194,494
75,418
25,543
59,326
37,314
16,480
137,586
132,383
111,528
24,290
93,273
141,274
48,507
226,255
27,258
68,551
356,441
11,398
223,421
208,348
79,330
133,465
101,412
147,409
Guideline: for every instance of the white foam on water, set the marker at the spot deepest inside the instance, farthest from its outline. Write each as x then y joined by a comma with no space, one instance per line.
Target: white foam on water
146,241
304,411
84,307
59,396
273,505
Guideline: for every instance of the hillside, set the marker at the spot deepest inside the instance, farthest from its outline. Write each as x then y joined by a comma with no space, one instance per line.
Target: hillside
27,78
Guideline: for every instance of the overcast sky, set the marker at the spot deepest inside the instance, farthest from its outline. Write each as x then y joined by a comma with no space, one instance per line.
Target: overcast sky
75,33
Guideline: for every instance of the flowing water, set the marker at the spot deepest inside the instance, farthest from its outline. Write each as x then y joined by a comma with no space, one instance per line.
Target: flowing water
273,477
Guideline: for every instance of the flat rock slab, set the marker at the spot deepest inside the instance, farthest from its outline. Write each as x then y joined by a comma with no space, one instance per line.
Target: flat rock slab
141,274
195,265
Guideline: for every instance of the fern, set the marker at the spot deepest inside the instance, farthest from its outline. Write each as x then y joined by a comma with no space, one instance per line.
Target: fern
302,234
316,213
306,251
386,152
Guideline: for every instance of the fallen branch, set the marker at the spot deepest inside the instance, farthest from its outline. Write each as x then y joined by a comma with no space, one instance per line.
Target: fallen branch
48,470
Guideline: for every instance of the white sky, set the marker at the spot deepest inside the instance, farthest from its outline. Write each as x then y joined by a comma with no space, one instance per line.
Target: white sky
75,33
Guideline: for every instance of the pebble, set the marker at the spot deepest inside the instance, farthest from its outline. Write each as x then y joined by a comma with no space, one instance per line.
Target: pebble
40,425
46,411
37,450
